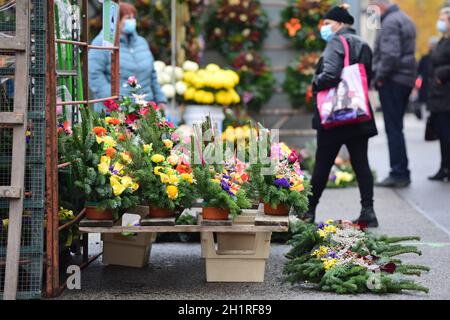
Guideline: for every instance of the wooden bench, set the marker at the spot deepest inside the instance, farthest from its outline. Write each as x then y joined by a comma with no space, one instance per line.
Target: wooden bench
243,244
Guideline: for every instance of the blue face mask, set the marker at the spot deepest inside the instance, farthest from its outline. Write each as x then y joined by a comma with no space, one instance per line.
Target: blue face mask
442,26
326,32
129,26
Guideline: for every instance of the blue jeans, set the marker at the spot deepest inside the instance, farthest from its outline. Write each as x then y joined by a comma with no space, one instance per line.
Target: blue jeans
394,98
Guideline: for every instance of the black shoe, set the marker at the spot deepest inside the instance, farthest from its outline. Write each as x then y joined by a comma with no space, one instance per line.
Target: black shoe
367,219
442,175
310,216
391,182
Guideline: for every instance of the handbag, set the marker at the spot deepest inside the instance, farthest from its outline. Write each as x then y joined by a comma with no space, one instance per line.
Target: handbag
430,133
348,103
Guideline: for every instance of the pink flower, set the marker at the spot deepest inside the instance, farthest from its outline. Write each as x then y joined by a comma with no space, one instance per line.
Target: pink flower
132,81
144,111
153,105
170,124
175,136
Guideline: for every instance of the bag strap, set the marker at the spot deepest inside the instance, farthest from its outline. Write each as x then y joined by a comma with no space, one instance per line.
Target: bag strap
347,51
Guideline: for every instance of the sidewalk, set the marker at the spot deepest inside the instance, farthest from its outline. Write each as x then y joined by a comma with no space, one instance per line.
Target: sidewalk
176,271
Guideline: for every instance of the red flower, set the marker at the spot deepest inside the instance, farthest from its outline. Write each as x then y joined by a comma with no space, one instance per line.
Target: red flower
131,118
293,157
121,137
110,152
114,121
183,168
99,131
153,105
389,268
111,105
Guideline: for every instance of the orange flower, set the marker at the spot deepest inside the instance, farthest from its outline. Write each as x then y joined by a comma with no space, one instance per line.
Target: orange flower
121,137
113,121
110,152
293,26
182,168
99,131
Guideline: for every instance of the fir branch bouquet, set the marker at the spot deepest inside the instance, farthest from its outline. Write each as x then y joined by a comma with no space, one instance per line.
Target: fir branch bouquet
340,257
257,80
99,163
299,76
234,26
301,21
286,185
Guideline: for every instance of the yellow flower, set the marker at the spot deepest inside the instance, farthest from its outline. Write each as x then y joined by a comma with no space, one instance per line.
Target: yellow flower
103,168
157,158
329,263
134,186
343,177
118,167
298,186
330,229
117,187
322,233
109,141
126,181
173,179
168,143
322,251
187,177
172,192
125,157
173,160
157,170
164,178
330,221
148,147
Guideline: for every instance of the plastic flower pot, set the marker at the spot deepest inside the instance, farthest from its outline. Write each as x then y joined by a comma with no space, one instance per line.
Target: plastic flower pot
280,210
95,213
215,213
155,212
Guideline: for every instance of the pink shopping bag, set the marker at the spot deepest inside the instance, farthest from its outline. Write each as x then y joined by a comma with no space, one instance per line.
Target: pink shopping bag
348,103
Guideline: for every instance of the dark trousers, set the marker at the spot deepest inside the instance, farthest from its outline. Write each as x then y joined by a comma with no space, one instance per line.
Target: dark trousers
445,154
325,157
394,99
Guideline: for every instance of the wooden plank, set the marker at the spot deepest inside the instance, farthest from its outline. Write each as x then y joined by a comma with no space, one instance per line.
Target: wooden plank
10,192
212,223
265,220
11,118
158,222
187,228
96,223
21,82
11,44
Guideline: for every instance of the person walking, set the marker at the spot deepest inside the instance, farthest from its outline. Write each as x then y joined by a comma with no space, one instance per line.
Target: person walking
337,23
136,59
394,78
439,94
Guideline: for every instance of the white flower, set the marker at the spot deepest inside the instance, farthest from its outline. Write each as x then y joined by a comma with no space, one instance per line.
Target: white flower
190,66
159,66
169,91
165,78
179,73
180,87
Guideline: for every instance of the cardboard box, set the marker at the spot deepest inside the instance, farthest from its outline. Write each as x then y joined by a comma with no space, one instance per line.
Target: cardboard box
129,251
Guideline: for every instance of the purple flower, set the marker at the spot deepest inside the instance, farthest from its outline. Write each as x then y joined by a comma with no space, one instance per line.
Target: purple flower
247,97
331,254
320,226
282,183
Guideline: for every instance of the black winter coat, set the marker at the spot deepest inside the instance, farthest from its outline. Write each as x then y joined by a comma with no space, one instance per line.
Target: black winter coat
328,75
439,94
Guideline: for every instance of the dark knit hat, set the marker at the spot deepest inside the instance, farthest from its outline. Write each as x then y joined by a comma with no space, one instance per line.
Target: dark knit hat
340,14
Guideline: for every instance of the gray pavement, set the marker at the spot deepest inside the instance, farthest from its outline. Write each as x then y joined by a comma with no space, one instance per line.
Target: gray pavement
176,271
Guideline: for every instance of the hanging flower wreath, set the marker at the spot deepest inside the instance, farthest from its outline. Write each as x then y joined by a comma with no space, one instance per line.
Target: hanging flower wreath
299,75
301,21
256,80
236,25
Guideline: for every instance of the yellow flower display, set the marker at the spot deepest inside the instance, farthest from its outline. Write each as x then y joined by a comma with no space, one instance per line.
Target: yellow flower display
116,185
172,192
321,252
329,263
157,170
187,177
173,179
157,158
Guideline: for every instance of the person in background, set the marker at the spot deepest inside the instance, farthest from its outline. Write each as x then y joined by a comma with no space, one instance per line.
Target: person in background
439,93
394,78
338,22
136,60
420,93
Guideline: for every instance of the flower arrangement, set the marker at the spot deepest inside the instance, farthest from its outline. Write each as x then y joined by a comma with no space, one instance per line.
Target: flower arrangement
301,21
286,186
99,163
257,81
211,85
235,26
341,257
299,76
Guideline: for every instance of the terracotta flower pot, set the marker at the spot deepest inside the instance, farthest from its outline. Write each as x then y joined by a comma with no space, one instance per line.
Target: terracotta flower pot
155,212
281,210
94,213
215,213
